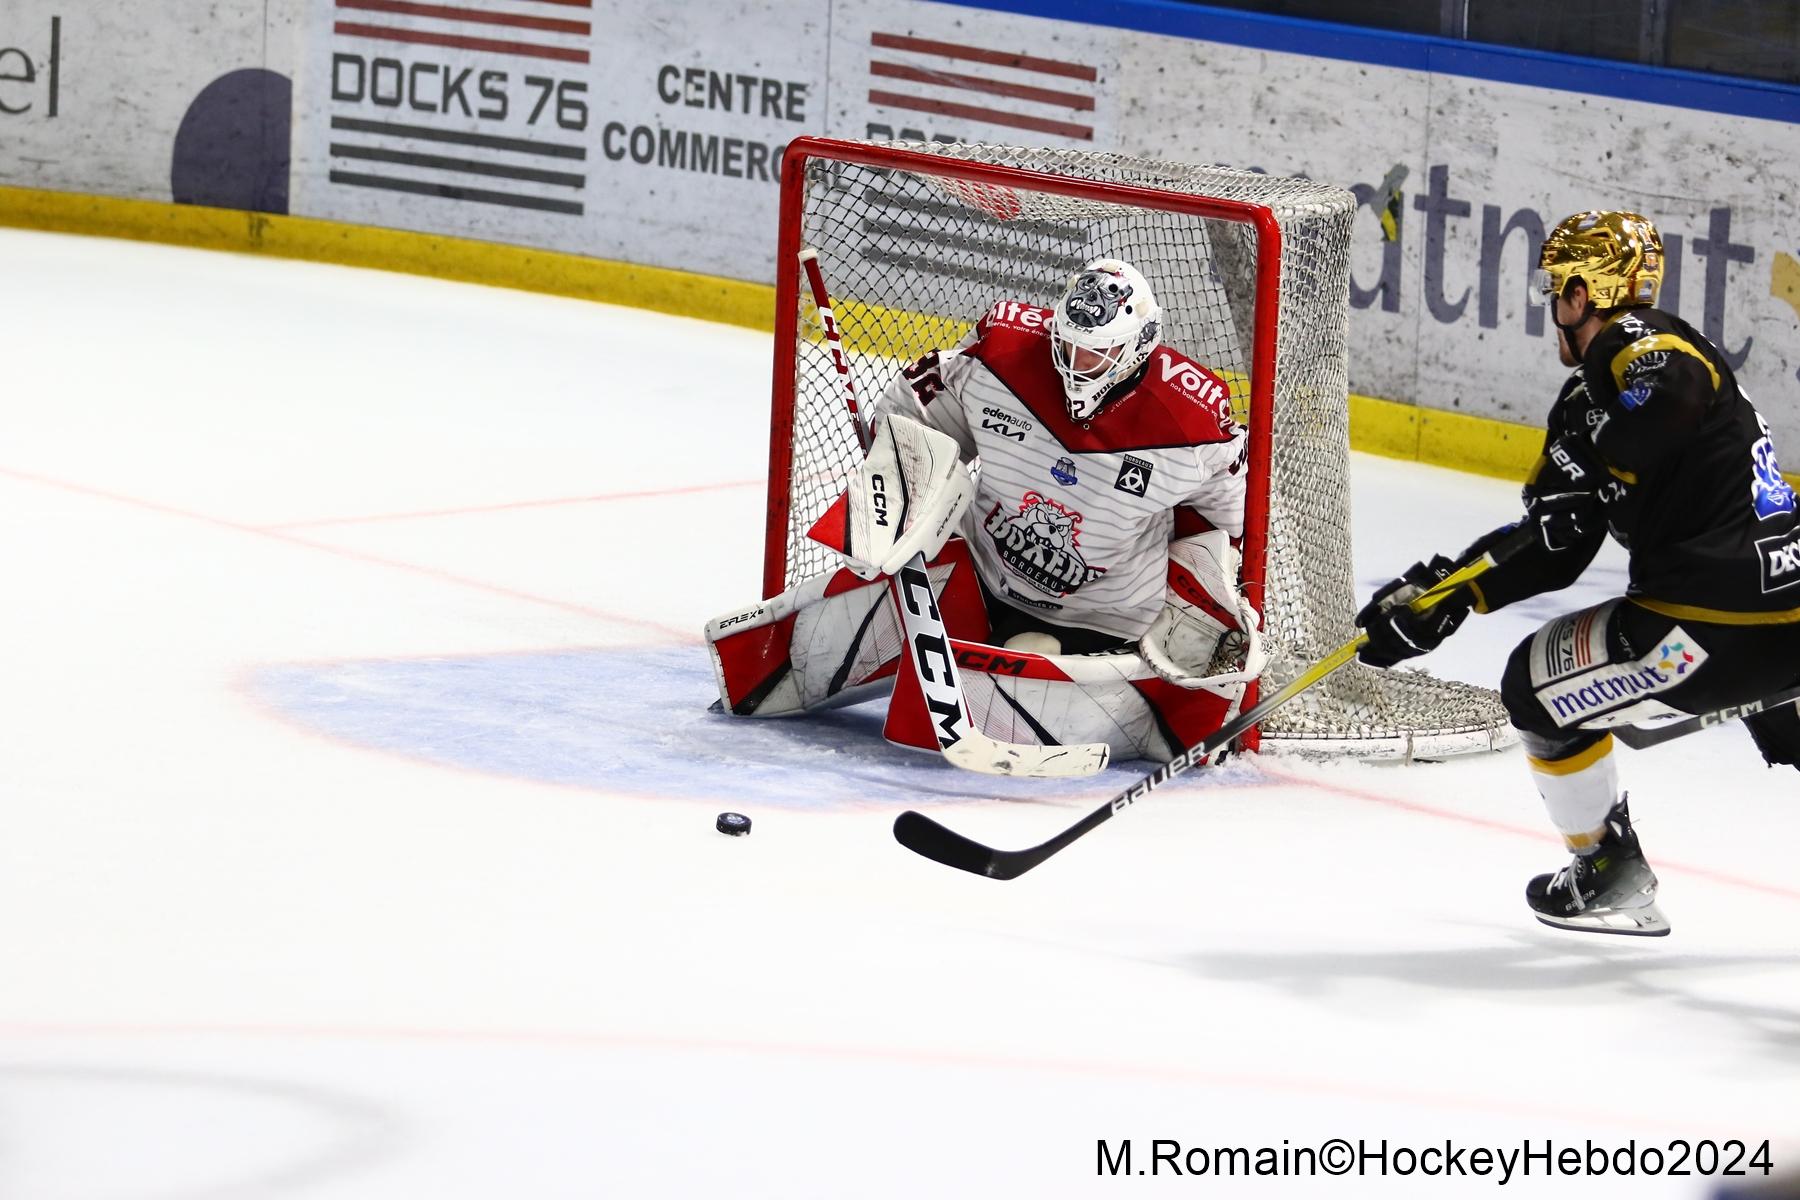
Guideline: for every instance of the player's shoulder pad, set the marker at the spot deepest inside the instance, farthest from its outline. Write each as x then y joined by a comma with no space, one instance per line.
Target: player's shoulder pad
1197,401
1010,321
1634,349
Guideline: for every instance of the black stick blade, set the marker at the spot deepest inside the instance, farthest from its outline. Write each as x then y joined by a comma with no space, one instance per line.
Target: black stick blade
922,835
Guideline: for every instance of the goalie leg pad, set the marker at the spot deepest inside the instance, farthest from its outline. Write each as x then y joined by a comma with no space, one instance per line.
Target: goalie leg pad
1063,700
828,640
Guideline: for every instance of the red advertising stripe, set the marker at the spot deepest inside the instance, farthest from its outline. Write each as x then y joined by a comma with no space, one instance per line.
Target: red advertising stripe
998,58
973,83
528,50
990,116
473,15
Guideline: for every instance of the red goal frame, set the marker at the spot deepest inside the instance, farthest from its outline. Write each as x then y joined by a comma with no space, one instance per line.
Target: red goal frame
804,150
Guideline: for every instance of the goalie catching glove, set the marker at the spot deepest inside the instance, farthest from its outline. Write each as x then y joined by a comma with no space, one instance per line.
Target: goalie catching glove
905,499
1206,635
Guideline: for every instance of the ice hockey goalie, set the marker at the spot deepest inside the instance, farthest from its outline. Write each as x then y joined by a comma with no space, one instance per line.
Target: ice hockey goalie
1079,489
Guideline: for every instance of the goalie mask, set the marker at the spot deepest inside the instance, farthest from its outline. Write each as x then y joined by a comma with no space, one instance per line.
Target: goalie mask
1618,255
1103,328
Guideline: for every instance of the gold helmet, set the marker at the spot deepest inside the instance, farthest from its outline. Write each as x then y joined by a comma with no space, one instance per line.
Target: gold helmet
1618,255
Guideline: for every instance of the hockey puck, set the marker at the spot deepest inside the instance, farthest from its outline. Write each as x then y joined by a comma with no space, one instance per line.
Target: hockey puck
735,824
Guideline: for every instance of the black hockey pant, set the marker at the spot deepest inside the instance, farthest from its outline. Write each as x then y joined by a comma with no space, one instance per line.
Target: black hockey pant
1616,663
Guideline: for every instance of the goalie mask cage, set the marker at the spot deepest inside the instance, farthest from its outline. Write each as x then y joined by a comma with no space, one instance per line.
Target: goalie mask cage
1252,271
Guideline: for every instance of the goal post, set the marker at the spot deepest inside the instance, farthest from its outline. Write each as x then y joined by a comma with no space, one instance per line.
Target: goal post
918,239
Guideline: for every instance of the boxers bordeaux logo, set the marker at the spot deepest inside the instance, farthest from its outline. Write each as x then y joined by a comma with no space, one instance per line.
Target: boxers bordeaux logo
1041,545
1134,476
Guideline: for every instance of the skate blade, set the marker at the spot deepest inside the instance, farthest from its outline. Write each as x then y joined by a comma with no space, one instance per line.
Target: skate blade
1645,920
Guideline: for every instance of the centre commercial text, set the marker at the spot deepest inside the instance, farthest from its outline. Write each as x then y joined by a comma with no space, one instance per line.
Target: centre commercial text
709,153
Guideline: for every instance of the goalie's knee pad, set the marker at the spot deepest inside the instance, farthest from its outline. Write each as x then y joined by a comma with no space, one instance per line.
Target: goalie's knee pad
831,639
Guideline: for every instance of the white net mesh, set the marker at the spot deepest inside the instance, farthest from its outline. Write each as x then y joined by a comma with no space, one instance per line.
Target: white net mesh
913,259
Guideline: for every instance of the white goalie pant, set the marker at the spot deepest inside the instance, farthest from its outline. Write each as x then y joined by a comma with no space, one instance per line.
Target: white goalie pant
835,639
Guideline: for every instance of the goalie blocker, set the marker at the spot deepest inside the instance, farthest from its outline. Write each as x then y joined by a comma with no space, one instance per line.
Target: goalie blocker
836,639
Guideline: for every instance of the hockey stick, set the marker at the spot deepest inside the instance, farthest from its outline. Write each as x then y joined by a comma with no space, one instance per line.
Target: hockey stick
922,835
928,644
1640,736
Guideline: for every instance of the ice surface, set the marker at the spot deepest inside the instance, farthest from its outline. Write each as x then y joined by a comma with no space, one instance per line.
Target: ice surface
358,793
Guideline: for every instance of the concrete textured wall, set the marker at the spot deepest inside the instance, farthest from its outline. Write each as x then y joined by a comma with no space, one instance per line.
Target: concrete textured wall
651,135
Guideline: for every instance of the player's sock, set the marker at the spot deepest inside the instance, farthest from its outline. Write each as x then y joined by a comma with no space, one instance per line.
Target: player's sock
1579,787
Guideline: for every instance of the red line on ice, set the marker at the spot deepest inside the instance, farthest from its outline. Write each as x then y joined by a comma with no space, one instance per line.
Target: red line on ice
685,636
605,498
1536,835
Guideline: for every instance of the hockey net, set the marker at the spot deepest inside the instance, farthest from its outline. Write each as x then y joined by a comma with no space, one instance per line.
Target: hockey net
917,240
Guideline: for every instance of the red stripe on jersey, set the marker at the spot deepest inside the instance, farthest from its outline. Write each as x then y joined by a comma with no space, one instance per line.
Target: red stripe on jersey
1177,403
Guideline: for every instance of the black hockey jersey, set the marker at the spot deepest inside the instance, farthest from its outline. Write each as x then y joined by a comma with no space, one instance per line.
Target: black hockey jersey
1693,489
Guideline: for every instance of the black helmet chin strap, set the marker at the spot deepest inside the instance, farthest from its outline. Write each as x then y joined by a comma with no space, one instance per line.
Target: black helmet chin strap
1577,323
1586,312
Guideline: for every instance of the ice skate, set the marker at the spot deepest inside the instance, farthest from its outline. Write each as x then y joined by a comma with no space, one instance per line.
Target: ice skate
1611,890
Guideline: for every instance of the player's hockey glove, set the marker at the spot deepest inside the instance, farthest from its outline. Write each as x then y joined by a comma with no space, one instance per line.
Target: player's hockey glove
1396,632
1562,498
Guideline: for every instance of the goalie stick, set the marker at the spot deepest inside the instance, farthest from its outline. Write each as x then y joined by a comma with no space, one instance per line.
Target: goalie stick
922,835
922,628
1638,737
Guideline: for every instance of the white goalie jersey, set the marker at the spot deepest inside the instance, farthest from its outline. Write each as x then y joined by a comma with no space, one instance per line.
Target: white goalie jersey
1072,520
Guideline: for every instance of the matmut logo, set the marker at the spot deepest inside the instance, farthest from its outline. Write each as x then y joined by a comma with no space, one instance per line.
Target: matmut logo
1619,685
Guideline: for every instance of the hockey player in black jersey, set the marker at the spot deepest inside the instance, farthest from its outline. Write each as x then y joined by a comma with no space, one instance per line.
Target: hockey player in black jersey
1651,439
